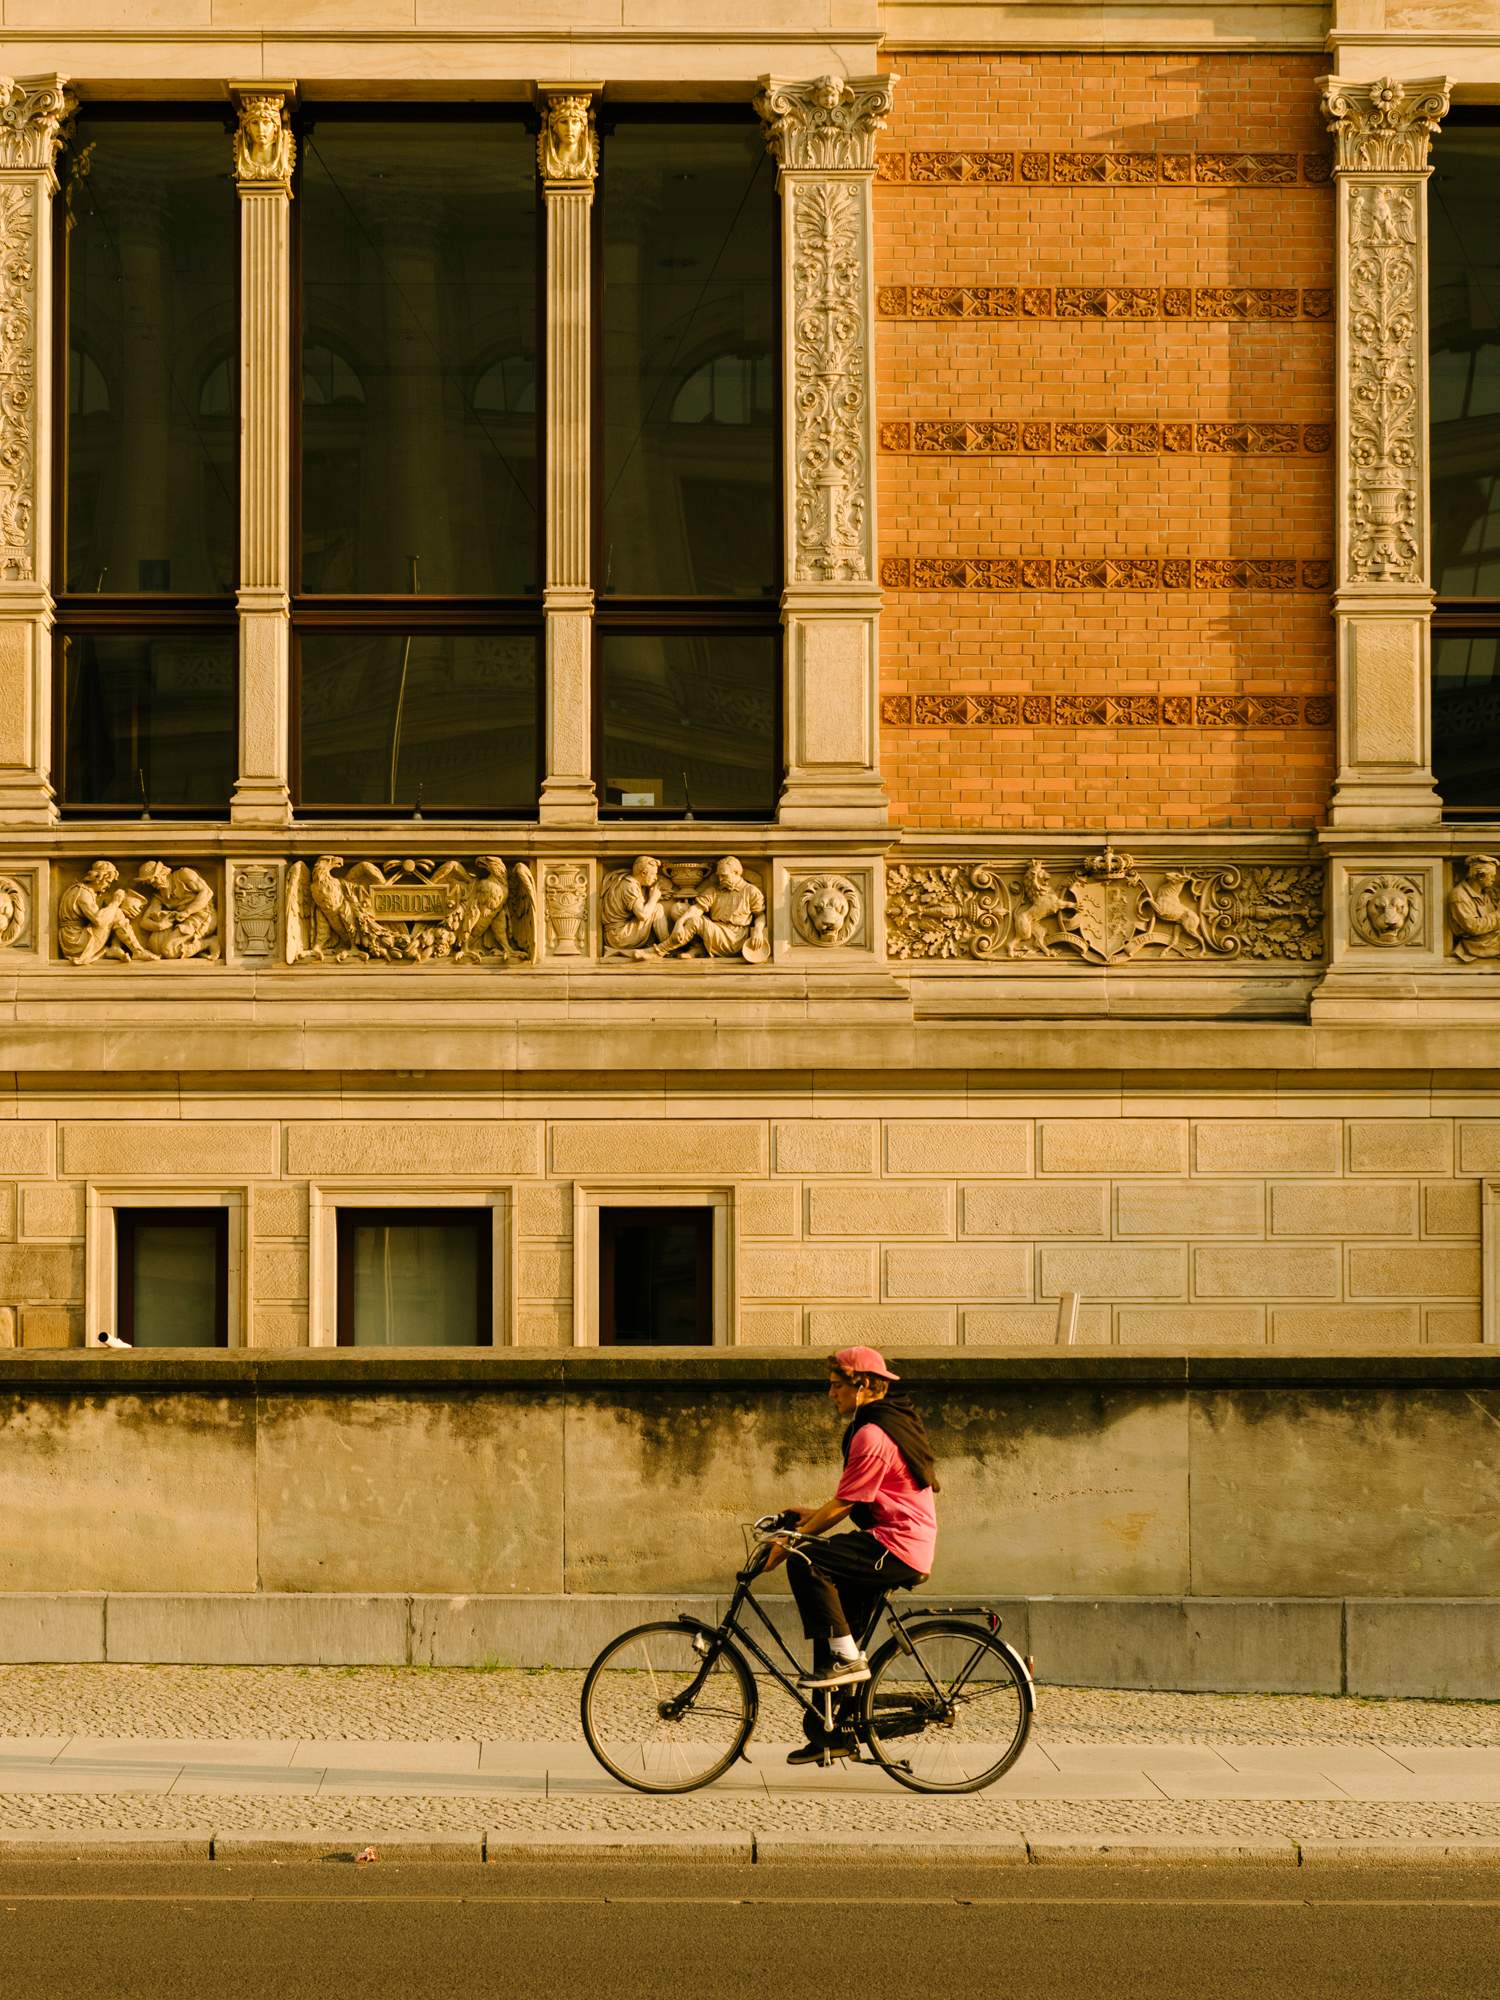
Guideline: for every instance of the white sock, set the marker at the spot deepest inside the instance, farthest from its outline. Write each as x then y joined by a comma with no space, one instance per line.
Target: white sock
844,1648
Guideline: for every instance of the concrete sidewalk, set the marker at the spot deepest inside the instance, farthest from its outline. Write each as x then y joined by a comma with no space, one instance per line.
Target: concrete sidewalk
472,1760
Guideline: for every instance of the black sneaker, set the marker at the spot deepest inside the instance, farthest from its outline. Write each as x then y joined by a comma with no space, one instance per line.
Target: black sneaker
833,1746
842,1673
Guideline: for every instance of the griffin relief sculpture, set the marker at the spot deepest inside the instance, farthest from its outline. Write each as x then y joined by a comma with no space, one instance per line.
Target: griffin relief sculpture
410,912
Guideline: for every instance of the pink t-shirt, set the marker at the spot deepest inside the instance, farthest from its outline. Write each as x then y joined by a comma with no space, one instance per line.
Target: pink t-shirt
905,1518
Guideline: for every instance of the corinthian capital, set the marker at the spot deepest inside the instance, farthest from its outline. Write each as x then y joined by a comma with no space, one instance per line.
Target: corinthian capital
264,149
829,122
1383,127
33,111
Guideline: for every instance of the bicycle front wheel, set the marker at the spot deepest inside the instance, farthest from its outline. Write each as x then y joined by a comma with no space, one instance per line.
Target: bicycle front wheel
952,1716
660,1714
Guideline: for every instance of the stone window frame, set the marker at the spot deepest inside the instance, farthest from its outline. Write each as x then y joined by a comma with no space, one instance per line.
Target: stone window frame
102,1200
326,1197
1489,1263
590,1196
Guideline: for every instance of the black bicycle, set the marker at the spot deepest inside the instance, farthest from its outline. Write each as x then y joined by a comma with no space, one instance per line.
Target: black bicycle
668,1707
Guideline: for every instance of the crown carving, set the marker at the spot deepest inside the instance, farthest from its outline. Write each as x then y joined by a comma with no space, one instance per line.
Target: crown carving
1383,127
33,113
264,149
830,121
567,147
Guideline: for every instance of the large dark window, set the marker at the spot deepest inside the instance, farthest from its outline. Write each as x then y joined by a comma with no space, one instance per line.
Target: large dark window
417,606
148,480
414,1277
173,1270
687,557
656,1277
1464,196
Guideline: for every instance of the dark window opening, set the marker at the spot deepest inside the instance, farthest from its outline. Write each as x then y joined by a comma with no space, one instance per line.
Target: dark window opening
418,545
173,1276
414,1277
656,1277
1464,351
146,521
687,477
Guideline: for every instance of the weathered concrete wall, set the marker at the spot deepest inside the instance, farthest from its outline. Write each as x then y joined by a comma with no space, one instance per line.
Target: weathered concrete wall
1251,1475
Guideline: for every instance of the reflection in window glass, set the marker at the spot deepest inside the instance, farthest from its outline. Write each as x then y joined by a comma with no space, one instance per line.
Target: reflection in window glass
1464,198
1466,718
151,468
148,719
691,721
419,1279
172,1277
655,1277
689,321
419,327
438,719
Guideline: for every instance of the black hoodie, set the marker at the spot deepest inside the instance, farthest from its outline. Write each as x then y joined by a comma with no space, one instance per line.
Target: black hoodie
897,1415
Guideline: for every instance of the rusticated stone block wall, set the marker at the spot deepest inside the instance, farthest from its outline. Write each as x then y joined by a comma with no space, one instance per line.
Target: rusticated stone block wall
1254,1226
1105,369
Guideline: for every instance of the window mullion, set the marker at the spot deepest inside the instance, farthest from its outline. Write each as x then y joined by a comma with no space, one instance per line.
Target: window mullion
263,155
567,158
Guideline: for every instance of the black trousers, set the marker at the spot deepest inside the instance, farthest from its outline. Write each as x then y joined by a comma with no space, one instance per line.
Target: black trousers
836,1582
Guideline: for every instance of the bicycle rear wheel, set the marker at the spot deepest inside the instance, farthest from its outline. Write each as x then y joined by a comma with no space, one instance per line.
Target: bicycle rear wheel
953,1717
660,1715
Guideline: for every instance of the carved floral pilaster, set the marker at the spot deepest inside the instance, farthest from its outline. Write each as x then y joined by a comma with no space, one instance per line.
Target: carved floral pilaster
822,134
1382,133
33,116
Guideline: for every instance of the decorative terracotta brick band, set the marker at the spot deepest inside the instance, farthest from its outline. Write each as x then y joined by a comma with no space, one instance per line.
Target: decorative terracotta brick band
1105,573
1132,302
979,168
1107,711
1004,436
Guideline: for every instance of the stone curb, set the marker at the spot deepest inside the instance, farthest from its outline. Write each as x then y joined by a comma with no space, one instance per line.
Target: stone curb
768,1849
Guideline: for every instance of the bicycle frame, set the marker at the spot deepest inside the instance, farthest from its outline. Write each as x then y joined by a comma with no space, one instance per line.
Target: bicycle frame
730,1628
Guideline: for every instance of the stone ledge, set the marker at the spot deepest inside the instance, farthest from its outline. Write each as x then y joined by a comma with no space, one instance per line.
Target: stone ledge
250,1371
1432,1648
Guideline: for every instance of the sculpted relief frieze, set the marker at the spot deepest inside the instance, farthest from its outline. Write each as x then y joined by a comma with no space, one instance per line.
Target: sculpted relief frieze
1108,911
168,912
410,912
1387,910
1384,365
1474,909
17,902
684,909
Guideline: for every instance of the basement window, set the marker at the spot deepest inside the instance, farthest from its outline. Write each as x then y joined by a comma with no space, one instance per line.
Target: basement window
414,1277
173,1276
656,1277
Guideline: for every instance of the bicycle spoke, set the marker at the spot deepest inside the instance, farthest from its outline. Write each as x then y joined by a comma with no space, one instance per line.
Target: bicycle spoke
954,1717
707,1706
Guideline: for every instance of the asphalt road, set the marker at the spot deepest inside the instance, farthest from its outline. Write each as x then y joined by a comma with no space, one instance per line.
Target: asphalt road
329,1932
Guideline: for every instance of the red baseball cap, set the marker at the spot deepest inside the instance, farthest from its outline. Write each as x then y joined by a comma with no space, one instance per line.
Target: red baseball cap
863,1361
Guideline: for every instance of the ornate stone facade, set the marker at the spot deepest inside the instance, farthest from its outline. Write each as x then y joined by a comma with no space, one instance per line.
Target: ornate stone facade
32,116
15,911
410,912
1110,912
1474,908
829,123
565,897
703,909
168,913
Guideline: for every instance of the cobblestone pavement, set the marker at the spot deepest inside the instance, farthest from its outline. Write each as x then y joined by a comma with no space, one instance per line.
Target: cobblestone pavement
416,1705
434,1704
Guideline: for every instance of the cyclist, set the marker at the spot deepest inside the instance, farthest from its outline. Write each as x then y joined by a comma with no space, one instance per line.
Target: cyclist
887,1487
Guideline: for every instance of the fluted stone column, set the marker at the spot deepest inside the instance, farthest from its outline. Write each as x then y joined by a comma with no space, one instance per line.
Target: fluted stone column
1383,607
32,112
263,158
568,159
822,134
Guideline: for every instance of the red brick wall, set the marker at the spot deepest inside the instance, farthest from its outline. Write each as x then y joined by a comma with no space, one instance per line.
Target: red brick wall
1186,232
